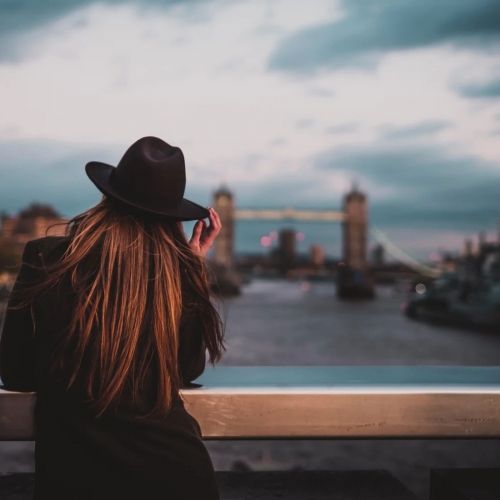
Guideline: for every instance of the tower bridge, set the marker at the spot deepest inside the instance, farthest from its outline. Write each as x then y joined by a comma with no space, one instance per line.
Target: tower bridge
353,217
354,277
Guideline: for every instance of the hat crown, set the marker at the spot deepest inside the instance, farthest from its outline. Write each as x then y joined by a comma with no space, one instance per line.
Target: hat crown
152,172
150,177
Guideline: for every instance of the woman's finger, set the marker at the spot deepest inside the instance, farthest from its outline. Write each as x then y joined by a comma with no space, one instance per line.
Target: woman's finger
213,231
215,219
195,238
216,216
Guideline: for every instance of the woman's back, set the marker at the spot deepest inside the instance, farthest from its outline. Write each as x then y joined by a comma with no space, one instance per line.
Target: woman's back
78,454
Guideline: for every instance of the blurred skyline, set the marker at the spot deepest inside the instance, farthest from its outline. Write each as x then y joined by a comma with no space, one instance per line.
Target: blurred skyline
287,104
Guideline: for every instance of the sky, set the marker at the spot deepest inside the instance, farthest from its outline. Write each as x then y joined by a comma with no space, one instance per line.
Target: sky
285,102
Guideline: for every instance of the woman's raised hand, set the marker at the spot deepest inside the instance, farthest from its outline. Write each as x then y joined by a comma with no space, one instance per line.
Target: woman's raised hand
203,236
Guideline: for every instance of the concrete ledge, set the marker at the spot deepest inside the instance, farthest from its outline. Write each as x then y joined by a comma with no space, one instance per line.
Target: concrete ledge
292,485
324,402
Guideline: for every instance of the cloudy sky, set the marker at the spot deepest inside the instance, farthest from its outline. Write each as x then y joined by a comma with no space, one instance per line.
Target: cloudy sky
287,102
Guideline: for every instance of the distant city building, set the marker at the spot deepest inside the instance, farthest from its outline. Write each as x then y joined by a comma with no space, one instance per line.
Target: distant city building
286,248
448,263
467,268
355,228
33,222
468,248
317,255
479,266
482,241
491,264
378,255
224,243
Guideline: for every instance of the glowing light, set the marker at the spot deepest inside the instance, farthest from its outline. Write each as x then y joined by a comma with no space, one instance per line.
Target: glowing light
266,241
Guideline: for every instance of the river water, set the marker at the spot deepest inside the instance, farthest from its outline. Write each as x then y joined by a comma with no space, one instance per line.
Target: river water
278,322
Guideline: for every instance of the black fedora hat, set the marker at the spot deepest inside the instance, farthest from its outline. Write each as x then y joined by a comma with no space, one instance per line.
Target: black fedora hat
150,177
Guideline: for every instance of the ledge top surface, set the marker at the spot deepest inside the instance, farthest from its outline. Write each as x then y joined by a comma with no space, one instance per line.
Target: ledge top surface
347,379
349,376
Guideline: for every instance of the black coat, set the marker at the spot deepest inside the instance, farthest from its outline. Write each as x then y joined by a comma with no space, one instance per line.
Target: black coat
117,456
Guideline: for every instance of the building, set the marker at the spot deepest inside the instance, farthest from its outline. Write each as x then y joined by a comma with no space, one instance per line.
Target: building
286,248
224,243
354,280
378,255
317,256
35,221
355,228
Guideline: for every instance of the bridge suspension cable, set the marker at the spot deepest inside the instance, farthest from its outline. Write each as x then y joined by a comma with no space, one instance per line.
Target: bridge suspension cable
403,257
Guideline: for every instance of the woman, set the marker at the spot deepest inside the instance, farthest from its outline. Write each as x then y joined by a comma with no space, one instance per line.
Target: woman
106,324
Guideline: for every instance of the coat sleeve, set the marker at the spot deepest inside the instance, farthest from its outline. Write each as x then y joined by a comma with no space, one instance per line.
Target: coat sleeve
17,341
192,347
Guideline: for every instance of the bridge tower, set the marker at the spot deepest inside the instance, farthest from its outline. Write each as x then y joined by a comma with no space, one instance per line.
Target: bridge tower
224,243
355,229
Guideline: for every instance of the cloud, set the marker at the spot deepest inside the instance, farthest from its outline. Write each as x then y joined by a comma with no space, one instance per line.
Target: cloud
288,188
490,89
22,22
370,29
49,172
425,185
343,128
415,130
22,15
279,141
304,123
318,91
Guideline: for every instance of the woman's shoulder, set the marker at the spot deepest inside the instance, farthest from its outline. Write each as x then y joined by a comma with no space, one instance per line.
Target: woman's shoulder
46,245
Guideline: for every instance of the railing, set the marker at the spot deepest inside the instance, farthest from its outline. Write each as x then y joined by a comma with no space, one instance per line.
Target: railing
270,402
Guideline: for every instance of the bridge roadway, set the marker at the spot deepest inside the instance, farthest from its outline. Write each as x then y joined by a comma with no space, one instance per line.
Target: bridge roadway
273,402
288,213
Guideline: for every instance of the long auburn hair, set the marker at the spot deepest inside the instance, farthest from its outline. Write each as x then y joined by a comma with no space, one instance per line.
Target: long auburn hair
144,264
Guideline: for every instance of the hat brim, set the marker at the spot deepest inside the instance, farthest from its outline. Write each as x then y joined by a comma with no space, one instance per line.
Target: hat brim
100,174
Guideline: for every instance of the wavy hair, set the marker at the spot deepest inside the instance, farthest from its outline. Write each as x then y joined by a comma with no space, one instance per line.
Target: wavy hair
128,307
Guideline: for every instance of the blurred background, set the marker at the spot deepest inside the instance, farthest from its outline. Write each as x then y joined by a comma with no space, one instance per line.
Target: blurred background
350,147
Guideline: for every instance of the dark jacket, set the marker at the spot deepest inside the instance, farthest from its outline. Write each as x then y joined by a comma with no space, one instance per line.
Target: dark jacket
116,455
